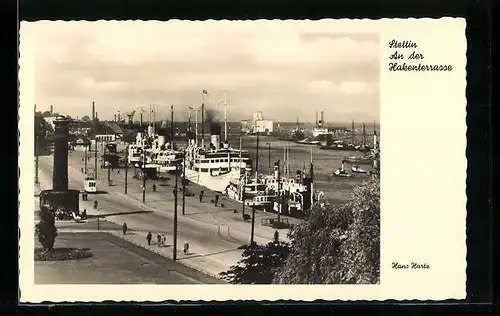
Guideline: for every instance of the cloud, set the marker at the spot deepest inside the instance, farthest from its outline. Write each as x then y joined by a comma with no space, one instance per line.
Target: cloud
279,69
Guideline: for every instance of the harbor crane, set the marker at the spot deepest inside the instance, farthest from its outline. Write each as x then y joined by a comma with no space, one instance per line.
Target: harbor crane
130,116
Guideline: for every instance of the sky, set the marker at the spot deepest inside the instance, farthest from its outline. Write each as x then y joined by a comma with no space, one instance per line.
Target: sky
285,70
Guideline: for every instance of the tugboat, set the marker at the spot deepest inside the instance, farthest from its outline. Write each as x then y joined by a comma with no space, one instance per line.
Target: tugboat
340,172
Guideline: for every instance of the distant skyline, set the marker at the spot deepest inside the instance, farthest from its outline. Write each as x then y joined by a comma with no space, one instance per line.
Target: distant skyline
283,70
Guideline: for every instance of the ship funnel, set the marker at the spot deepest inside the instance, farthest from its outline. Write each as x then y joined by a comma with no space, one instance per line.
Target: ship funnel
150,130
329,139
226,145
215,142
161,141
374,139
298,176
138,139
215,135
276,169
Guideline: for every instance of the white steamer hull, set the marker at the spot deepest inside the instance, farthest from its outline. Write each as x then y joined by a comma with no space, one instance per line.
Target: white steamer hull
216,183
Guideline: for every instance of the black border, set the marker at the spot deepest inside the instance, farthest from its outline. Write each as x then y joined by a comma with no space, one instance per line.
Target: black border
479,91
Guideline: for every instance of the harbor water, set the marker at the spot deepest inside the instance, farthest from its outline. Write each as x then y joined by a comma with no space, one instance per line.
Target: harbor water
271,149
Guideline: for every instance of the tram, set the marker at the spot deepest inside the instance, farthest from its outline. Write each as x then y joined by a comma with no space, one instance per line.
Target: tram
89,185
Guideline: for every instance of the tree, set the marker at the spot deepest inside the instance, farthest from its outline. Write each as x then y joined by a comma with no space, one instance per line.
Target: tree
42,128
46,230
86,118
338,244
259,263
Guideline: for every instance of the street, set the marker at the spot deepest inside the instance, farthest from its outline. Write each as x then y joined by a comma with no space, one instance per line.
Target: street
214,234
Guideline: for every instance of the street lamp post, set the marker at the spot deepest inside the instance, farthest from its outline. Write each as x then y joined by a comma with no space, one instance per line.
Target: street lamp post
143,173
95,158
106,156
244,181
269,157
184,184
174,255
253,225
126,171
85,159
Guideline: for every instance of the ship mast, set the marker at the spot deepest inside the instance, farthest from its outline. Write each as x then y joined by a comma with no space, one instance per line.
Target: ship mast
284,161
312,179
196,126
364,135
225,117
352,133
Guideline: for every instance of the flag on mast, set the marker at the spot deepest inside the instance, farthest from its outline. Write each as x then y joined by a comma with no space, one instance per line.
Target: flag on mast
204,91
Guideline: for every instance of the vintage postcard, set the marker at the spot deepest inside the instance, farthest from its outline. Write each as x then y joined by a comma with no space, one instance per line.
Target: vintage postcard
242,160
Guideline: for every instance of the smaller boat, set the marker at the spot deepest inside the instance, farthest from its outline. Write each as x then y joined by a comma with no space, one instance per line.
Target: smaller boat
359,160
357,169
340,172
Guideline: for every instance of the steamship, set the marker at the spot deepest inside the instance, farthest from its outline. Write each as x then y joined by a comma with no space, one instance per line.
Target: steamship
283,194
154,152
214,166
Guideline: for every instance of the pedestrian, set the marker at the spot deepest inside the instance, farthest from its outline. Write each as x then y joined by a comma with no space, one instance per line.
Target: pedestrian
158,240
84,213
124,228
154,187
163,240
186,248
201,195
216,199
148,237
83,196
95,205
276,236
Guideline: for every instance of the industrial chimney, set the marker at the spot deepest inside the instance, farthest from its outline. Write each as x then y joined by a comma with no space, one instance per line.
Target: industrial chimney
93,111
322,118
51,110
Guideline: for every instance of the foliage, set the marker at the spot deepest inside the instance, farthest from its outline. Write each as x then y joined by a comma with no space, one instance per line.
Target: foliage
338,244
259,264
86,118
42,128
61,254
46,230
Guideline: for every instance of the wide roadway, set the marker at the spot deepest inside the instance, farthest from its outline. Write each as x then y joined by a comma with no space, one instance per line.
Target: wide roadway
203,237
114,261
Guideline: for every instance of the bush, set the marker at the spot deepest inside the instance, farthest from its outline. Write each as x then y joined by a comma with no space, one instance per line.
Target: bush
339,244
46,230
61,254
259,264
